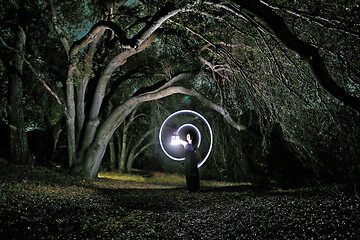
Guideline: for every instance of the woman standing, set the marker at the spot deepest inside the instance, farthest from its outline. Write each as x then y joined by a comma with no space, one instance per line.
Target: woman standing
191,169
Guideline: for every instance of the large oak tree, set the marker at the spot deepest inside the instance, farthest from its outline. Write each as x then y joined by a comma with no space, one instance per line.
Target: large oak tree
228,40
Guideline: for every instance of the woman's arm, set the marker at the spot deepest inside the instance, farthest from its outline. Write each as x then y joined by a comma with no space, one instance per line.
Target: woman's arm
182,142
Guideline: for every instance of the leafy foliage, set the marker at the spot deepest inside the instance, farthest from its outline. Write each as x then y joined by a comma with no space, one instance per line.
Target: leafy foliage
243,66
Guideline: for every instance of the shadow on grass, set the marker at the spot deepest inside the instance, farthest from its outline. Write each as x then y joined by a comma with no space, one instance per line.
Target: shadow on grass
236,188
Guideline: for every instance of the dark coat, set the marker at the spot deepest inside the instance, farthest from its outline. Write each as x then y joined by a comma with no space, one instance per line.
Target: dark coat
191,169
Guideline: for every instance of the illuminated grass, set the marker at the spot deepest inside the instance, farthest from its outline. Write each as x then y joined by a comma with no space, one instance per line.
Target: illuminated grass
149,177
123,177
162,178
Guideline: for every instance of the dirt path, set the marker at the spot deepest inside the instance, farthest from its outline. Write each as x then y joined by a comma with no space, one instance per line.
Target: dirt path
42,204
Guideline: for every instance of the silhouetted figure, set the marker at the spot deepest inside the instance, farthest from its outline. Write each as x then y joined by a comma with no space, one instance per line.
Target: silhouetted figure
191,169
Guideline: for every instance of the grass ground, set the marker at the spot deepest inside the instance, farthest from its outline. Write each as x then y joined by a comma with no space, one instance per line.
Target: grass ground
43,204
162,179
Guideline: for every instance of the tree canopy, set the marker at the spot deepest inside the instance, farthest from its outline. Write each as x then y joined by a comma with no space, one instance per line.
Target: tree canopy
270,67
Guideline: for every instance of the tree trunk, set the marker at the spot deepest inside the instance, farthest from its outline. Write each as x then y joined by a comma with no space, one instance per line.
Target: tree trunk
19,150
93,155
135,151
134,154
112,153
118,143
124,147
112,148
95,152
122,158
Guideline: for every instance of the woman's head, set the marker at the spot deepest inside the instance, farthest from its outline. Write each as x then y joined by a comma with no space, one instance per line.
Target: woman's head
189,137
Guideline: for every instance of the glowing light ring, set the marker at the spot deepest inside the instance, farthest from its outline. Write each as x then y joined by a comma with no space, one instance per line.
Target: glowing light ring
193,113
193,126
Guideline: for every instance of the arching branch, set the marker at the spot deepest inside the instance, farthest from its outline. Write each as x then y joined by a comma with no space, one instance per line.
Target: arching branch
164,83
102,25
310,53
121,112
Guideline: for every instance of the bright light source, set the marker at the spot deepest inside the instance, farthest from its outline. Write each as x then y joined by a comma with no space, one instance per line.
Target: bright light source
175,140
192,113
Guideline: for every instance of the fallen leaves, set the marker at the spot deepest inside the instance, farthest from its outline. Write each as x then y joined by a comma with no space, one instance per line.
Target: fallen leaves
39,203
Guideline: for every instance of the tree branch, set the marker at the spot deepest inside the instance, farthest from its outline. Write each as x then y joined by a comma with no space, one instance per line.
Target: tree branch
158,86
311,54
317,19
38,77
160,17
58,28
121,112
